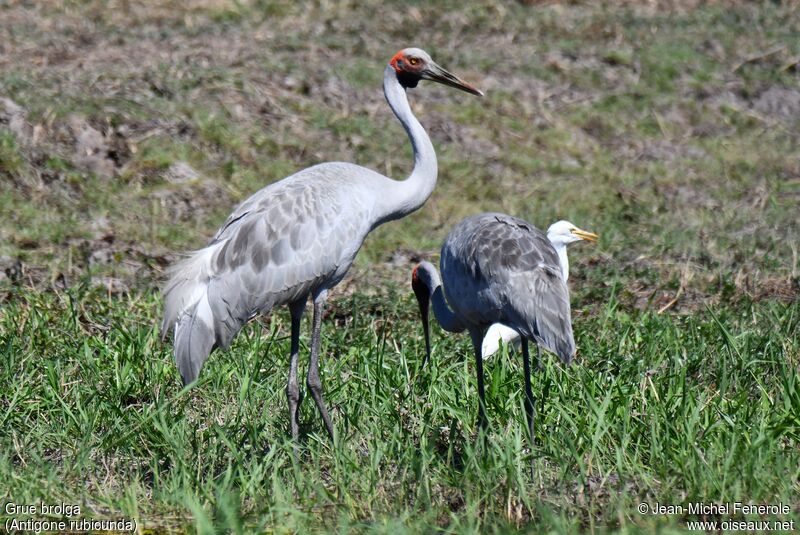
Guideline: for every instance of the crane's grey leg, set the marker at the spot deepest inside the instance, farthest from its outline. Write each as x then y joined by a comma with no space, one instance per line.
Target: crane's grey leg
530,409
312,380
477,342
296,310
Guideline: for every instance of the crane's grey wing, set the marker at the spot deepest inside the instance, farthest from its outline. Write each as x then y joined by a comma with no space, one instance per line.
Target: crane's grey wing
526,274
286,240
539,301
280,248
498,268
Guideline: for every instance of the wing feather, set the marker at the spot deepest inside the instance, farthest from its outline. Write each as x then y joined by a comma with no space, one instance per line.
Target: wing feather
285,240
539,308
498,268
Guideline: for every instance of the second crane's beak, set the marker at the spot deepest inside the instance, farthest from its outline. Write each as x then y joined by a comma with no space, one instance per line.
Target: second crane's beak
585,235
423,295
435,73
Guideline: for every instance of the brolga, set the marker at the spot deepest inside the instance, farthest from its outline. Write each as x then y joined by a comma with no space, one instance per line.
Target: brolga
498,269
561,233
297,238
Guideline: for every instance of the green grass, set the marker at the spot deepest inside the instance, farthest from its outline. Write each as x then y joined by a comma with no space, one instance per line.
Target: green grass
641,123
657,408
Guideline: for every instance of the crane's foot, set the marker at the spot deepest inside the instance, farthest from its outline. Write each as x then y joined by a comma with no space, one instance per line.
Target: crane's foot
316,393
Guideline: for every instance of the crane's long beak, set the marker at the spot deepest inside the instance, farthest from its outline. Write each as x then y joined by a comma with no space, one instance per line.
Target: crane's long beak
423,295
435,73
585,235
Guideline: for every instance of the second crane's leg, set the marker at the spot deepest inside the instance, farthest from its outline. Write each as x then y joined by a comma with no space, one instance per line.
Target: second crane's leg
313,381
292,390
530,409
477,342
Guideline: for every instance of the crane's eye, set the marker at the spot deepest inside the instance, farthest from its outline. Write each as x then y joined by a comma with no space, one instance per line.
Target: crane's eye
413,61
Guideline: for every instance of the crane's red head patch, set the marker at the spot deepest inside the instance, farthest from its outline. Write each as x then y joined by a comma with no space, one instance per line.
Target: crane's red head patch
395,59
416,281
403,62
421,290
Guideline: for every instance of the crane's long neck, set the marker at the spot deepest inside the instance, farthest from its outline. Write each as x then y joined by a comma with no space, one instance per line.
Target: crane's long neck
444,316
400,198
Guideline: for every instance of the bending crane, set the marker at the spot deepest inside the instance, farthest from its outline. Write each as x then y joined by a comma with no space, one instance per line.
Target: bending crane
498,269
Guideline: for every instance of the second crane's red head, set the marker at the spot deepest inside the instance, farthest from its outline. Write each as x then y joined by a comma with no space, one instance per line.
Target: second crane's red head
421,287
414,64
415,282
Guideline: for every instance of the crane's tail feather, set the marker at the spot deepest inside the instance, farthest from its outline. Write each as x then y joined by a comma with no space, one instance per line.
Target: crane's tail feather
194,340
540,309
188,313
188,282
563,346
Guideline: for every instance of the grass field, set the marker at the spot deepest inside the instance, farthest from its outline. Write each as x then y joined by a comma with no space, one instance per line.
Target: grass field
128,133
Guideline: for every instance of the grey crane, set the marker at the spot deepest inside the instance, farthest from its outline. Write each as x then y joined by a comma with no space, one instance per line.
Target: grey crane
561,233
297,238
498,269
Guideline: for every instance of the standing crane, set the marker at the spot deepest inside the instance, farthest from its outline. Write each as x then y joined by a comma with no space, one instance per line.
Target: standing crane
297,238
561,233
498,269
